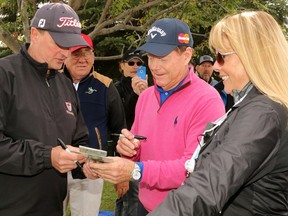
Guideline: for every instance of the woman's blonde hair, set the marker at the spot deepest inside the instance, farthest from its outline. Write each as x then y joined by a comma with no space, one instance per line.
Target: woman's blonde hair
260,44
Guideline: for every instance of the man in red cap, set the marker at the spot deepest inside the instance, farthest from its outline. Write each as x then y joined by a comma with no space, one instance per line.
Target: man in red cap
103,112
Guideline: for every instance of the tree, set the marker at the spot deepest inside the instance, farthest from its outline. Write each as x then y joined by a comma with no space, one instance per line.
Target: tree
118,25
98,18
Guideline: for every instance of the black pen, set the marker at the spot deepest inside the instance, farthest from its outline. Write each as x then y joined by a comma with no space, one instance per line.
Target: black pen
62,144
134,136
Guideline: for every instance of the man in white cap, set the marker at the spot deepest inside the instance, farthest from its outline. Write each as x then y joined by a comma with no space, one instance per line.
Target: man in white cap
39,109
171,115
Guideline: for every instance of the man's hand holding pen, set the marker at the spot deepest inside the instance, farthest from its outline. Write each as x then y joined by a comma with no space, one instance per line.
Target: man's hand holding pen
119,169
63,160
128,144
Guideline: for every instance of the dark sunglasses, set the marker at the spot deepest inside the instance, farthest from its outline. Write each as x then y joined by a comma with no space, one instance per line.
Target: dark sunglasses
220,57
132,63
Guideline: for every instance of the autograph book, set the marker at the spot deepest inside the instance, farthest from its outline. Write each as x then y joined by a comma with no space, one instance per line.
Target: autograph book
96,155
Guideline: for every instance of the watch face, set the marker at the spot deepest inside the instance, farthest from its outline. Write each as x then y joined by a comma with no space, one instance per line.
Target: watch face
136,175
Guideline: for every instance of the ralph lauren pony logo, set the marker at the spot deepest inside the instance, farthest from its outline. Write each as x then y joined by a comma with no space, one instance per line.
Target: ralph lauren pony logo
175,121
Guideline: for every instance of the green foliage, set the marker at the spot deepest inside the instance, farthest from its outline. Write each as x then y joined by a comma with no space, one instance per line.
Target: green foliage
109,45
121,6
200,15
5,51
8,10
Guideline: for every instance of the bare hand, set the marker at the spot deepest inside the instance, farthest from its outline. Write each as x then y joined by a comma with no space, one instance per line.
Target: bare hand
64,161
117,171
127,145
88,172
121,189
139,85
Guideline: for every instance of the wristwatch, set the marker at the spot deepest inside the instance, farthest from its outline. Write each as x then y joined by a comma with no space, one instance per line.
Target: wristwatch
136,173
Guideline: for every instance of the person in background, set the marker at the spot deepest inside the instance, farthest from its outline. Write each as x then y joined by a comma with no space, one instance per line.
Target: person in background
228,99
171,115
130,86
38,106
242,167
103,112
204,69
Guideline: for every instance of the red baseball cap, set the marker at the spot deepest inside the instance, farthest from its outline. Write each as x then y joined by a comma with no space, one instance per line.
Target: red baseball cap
88,41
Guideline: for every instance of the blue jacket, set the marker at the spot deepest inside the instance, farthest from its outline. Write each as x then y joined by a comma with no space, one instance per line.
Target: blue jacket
101,108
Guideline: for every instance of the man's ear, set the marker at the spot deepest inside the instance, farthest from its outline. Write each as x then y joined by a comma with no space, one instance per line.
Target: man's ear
34,34
188,54
121,65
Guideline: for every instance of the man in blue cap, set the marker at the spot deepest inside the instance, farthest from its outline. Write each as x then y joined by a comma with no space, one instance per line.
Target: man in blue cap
172,114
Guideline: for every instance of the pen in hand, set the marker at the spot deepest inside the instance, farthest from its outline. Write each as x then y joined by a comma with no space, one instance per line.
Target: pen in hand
62,144
134,136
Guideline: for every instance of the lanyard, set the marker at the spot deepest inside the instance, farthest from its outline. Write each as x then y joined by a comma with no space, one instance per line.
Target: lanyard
190,164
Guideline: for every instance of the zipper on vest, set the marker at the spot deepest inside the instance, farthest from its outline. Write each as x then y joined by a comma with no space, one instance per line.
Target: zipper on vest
46,78
47,82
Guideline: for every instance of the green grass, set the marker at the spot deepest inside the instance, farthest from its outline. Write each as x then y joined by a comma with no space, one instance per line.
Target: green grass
108,197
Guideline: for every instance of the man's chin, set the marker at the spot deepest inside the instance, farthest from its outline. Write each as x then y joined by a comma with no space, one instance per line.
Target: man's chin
57,66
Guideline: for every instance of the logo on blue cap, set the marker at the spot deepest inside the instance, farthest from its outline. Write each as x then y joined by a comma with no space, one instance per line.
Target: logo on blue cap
165,35
157,30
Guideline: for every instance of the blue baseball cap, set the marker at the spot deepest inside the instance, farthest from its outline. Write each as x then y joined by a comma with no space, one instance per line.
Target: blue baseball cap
165,35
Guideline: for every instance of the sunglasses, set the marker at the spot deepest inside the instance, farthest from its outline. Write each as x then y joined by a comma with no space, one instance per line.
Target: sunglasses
220,57
132,63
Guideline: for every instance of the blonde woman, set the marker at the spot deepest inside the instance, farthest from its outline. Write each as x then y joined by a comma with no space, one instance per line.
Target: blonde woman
241,166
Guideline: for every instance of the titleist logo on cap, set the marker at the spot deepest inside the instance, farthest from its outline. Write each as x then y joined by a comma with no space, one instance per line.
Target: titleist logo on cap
69,21
63,22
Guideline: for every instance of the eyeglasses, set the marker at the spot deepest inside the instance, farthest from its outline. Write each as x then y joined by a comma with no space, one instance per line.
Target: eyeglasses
132,63
221,56
78,54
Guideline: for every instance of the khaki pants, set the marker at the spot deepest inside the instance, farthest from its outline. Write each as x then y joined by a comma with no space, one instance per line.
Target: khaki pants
83,196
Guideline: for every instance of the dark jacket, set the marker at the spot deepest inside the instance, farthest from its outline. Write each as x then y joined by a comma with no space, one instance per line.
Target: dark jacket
129,98
227,98
101,107
34,112
243,169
